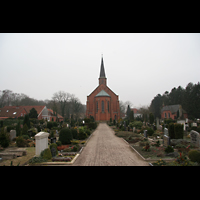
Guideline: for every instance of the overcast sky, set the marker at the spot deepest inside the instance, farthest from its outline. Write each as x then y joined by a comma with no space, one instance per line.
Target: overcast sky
138,66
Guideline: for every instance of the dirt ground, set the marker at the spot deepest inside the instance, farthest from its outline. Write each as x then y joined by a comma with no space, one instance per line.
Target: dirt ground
106,149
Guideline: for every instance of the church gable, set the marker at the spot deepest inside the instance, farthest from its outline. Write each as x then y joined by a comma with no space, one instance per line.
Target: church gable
103,103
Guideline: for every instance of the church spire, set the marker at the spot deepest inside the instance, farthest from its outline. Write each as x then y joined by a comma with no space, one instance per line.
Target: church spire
102,77
102,71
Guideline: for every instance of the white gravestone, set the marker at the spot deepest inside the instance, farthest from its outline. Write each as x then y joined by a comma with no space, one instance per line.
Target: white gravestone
41,142
12,134
195,138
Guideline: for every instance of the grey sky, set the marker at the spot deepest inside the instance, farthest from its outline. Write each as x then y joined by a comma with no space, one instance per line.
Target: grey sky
137,66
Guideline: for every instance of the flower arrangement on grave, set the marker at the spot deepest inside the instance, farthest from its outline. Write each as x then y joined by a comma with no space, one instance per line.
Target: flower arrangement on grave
159,163
146,147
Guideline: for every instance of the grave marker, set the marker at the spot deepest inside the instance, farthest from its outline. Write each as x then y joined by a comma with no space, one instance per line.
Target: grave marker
195,138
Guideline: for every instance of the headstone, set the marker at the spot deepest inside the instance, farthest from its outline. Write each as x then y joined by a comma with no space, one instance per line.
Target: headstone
166,139
53,152
194,124
133,129
145,133
195,138
41,142
166,132
12,134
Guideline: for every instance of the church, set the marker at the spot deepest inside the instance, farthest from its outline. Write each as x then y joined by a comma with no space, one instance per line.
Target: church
103,103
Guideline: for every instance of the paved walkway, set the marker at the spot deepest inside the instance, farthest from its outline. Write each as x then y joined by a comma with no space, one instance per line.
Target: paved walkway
106,149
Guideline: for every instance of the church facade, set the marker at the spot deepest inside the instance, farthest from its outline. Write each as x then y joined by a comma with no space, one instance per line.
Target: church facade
103,103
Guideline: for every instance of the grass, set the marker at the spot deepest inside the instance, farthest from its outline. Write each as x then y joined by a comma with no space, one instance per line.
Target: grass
20,160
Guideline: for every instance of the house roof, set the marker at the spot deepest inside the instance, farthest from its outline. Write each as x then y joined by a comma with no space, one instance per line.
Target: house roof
51,111
172,108
11,111
102,93
8,111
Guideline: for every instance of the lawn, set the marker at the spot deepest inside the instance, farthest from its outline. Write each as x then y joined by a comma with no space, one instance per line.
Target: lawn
20,160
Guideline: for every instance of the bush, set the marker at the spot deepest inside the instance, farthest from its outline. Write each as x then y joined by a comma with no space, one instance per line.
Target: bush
82,134
194,156
37,160
65,136
55,146
74,133
49,125
136,124
58,143
46,154
21,142
150,131
92,125
169,149
171,131
178,129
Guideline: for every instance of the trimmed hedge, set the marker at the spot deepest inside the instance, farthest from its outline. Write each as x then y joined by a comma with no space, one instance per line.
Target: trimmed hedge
175,131
46,154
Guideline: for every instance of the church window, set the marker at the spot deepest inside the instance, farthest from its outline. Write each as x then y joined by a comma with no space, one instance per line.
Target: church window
97,107
108,106
102,106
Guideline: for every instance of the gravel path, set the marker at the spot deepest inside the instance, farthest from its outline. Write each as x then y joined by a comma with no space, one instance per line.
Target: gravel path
106,149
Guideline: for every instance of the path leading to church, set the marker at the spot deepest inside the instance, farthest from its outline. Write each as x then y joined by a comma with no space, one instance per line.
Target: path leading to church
106,149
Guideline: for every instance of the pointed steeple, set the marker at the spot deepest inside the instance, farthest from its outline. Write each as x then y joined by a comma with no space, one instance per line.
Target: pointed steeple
102,77
102,71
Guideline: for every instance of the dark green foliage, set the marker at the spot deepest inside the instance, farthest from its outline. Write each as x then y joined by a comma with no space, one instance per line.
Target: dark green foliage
55,146
169,149
27,121
74,133
65,136
37,160
92,125
33,113
82,134
4,139
1,124
178,129
171,131
18,129
21,142
88,132
131,116
58,143
49,125
194,156
128,112
9,128
151,118
189,98
150,131
46,154
25,130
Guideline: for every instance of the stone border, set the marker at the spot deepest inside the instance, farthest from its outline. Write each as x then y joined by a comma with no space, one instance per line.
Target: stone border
66,163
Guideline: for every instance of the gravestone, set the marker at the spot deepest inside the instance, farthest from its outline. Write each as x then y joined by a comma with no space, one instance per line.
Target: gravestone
53,152
133,129
12,134
195,138
53,140
41,142
166,139
166,132
145,133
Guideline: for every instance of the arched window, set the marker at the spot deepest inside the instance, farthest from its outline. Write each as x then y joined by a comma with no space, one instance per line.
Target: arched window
102,106
97,106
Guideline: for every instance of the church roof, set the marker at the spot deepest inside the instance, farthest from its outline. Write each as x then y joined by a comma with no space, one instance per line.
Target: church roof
102,71
102,93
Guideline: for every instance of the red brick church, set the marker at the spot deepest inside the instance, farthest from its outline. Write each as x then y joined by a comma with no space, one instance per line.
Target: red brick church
103,103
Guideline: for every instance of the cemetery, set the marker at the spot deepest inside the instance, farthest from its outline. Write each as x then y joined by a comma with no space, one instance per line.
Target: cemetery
161,145
56,142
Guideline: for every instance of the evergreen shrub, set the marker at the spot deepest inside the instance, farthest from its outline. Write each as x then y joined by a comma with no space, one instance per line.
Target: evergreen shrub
65,136
194,156
46,154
